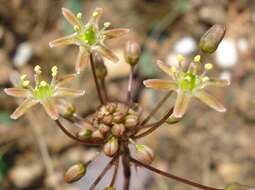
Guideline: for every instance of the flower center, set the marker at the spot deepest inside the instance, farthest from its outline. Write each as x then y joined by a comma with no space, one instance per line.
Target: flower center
43,91
188,82
89,35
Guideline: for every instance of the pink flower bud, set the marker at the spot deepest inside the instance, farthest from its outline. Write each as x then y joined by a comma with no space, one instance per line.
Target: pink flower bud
118,130
75,172
144,154
111,147
132,52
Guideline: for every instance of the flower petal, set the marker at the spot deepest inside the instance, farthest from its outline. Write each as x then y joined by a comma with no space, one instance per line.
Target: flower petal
65,79
24,106
164,67
51,108
181,104
66,40
218,83
70,17
160,84
107,53
17,92
210,100
96,16
82,59
115,33
68,92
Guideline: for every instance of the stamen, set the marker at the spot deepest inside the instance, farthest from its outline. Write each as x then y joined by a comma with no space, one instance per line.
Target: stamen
197,58
76,28
79,15
43,83
95,13
25,83
37,69
54,71
208,66
180,58
107,24
23,77
205,79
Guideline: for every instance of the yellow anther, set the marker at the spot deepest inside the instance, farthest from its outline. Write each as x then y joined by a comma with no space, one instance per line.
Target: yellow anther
54,71
76,28
95,13
79,15
25,83
197,58
205,79
180,58
107,24
37,69
23,77
208,66
43,83
173,69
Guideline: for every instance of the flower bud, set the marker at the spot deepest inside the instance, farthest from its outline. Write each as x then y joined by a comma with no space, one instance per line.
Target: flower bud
132,52
75,172
211,39
111,147
66,109
131,121
107,119
172,119
97,135
103,128
111,107
118,130
237,186
101,70
84,134
117,117
144,154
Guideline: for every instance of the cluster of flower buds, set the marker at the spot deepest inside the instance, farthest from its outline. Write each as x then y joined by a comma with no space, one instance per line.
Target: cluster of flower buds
113,122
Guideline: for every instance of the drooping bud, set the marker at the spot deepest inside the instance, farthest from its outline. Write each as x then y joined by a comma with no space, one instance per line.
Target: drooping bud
237,186
118,130
101,70
84,134
144,154
211,39
111,147
75,172
131,121
132,52
103,128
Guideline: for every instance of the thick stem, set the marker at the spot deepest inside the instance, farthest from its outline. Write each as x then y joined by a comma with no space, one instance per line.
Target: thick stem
101,175
130,84
182,180
87,142
126,168
151,114
96,79
154,126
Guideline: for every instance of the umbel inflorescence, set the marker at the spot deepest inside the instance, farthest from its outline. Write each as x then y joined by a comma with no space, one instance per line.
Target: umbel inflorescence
115,126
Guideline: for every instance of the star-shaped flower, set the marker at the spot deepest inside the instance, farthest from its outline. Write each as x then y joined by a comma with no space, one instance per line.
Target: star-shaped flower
50,95
188,81
89,37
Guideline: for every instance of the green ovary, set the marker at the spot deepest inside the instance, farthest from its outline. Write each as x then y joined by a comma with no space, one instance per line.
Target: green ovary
188,82
89,35
43,92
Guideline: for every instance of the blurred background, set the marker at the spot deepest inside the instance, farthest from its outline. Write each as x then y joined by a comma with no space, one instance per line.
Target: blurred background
207,146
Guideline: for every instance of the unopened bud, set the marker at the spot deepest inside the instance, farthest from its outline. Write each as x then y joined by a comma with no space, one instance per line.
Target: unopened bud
75,172
237,186
111,107
111,147
103,128
84,134
97,135
107,119
132,52
101,70
172,119
144,154
118,130
131,121
211,39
